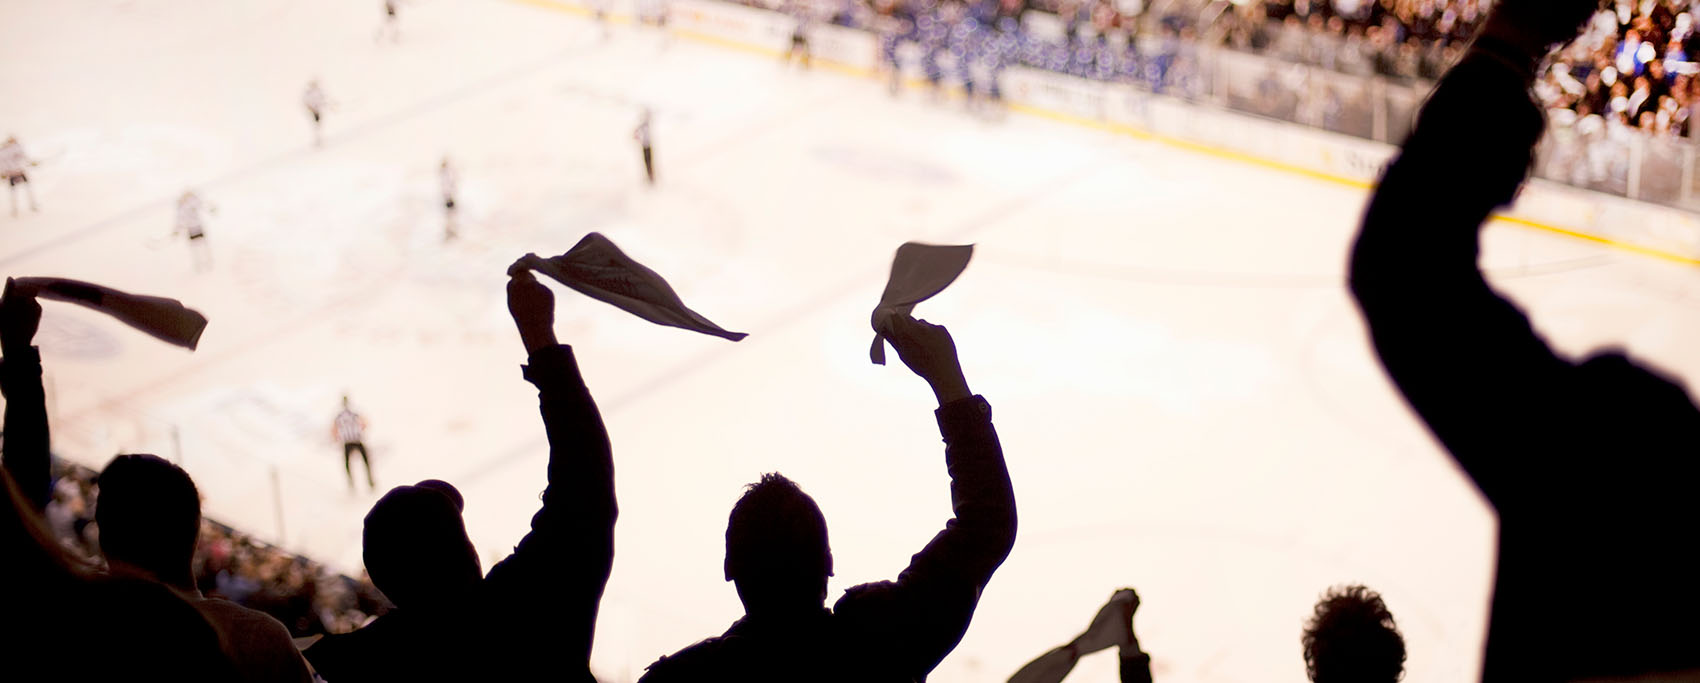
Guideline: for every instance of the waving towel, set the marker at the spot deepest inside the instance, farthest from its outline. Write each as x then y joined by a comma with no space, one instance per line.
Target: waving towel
164,319
599,270
918,272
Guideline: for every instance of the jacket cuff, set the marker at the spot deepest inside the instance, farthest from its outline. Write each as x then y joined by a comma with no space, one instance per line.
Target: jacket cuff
962,415
20,365
551,365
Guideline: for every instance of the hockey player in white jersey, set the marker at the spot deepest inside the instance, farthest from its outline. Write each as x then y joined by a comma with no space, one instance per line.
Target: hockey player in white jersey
13,163
642,136
392,24
189,222
314,100
450,182
799,49
600,8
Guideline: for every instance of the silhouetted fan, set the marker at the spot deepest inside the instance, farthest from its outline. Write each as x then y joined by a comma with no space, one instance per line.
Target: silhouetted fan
1587,462
918,273
779,559
599,270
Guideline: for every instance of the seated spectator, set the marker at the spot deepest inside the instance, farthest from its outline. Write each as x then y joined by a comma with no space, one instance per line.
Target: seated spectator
778,558
60,612
534,614
149,513
67,621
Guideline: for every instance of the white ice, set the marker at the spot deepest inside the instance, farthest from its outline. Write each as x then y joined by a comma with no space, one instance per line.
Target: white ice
1184,390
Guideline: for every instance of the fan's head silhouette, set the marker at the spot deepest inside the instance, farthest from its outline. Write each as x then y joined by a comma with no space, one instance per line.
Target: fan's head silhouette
149,514
416,548
776,548
1352,639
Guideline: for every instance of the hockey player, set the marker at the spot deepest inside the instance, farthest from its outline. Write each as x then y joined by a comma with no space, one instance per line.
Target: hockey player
13,162
314,100
600,9
799,49
893,26
189,222
932,32
391,25
450,181
653,13
642,136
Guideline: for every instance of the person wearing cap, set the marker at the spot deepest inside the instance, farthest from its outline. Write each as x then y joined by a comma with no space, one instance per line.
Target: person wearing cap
534,614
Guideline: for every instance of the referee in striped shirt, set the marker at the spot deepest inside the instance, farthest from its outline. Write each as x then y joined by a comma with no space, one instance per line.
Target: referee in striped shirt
351,428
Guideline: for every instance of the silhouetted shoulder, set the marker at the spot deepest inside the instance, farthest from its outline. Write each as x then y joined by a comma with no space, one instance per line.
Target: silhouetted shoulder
1615,371
1643,405
701,661
257,643
362,654
867,599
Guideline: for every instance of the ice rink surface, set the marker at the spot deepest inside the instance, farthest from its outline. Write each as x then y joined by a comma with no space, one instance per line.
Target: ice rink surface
1185,393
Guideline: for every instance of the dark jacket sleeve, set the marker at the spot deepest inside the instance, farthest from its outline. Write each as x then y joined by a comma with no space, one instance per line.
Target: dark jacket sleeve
1136,668
924,613
27,457
558,571
1466,359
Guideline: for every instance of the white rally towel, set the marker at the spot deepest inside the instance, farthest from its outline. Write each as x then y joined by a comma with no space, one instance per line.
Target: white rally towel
918,272
167,320
599,270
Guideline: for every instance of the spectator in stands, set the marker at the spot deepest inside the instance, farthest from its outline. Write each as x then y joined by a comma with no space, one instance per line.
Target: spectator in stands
1112,627
1352,639
1629,59
59,609
534,614
68,515
149,513
1641,100
1588,464
778,558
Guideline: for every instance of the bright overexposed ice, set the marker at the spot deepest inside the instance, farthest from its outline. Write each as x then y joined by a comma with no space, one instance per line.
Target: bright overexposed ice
1186,396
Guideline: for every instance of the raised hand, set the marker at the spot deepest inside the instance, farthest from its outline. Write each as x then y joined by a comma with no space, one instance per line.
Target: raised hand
928,351
1538,25
533,307
1113,626
20,317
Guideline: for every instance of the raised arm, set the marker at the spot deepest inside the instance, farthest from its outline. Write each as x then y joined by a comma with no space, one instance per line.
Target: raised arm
925,612
558,571
1112,627
27,457
1466,359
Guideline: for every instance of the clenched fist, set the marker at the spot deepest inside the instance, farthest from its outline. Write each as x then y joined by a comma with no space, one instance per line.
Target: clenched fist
928,351
533,307
1539,25
20,317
